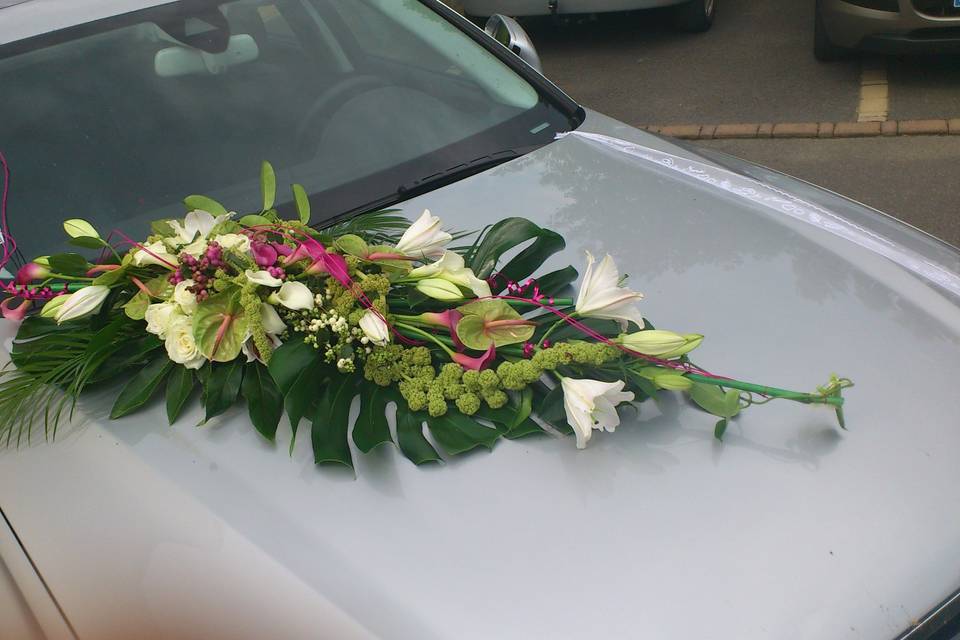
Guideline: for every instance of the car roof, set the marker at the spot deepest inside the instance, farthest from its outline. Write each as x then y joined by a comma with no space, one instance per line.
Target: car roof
22,19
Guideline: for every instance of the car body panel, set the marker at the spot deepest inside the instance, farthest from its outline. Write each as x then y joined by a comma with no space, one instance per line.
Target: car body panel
790,528
907,31
563,7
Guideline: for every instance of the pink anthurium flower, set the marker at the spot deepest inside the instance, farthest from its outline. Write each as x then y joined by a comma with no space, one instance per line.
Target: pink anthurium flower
16,314
448,319
476,364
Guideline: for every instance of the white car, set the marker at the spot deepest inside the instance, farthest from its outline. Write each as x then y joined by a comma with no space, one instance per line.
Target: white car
689,15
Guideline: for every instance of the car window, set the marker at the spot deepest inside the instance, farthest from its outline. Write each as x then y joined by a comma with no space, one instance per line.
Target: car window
118,120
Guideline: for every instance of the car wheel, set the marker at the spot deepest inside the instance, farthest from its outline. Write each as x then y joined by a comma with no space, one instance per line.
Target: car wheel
823,49
695,16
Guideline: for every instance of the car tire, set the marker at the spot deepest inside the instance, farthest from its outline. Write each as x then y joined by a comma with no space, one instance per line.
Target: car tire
695,16
823,49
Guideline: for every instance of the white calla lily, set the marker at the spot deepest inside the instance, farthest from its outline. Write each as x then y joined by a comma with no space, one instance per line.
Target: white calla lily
272,323
591,404
82,303
293,295
374,328
424,238
154,253
601,295
234,242
263,278
452,268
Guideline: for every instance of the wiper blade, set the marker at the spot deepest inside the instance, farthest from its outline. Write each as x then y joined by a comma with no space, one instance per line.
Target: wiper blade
458,172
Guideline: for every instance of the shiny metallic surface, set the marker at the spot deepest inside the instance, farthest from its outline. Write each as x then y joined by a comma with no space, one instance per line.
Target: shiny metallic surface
561,7
510,34
905,31
790,528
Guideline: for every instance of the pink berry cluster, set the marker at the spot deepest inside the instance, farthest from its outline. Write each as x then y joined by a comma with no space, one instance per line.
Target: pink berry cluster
201,270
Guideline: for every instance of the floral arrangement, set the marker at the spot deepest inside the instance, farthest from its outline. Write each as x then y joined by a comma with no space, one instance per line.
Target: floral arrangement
300,321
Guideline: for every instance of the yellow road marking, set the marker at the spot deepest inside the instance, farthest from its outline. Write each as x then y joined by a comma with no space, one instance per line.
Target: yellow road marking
874,105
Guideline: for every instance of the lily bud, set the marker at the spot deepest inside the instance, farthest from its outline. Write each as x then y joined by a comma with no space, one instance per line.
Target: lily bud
659,343
32,271
82,303
49,310
440,289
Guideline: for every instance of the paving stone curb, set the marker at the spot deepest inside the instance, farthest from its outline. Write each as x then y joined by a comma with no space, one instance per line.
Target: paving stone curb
931,127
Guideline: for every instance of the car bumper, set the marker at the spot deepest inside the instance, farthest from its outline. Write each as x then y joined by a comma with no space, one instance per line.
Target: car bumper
544,7
906,31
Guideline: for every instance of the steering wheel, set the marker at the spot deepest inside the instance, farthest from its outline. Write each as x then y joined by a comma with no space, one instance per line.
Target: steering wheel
314,122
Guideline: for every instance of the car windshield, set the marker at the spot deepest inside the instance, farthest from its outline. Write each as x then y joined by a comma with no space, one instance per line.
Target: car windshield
358,100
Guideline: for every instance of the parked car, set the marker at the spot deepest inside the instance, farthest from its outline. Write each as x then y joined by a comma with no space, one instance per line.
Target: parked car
885,26
788,529
688,15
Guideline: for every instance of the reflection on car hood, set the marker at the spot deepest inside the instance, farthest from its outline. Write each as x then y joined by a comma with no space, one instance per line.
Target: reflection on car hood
788,529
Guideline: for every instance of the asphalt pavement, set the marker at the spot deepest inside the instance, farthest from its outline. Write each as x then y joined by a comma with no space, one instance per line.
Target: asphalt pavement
756,66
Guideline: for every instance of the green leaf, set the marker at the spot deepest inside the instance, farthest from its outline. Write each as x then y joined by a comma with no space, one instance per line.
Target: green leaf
458,433
79,228
264,400
481,325
410,438
500,238
87,242
132,354
302,397
371,428
136,307
203,203
551,409
529,260
720,429
713,400
554,282
141,387
162,228
180,385
69,264
219,326
268,185
110,278
289,360
303,203
331,422
506,419
255,220
221,387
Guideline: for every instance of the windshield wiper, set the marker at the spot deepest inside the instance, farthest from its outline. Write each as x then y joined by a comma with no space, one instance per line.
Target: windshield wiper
457,172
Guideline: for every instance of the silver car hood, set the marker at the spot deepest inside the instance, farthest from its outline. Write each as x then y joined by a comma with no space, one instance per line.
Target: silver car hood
790,528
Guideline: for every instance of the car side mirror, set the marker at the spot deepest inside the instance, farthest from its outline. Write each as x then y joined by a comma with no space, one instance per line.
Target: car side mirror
510,34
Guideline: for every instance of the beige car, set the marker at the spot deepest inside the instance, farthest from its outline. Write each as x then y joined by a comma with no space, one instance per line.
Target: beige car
886,26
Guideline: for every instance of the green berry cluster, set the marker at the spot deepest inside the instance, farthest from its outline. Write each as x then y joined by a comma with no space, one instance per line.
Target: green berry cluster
517,375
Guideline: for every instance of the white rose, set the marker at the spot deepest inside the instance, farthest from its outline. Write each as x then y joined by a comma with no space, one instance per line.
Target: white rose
180,344
236,242
186,299
159,316
375,328
154,253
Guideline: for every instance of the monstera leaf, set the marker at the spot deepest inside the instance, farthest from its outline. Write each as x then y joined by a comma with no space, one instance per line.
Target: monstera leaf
487,322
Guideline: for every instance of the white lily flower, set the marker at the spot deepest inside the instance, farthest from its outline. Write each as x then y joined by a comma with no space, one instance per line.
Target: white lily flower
154,253
262,278
601,295
159,317
293,295
590,404
424,238
186,299
375,328
452,268
82,303
196,224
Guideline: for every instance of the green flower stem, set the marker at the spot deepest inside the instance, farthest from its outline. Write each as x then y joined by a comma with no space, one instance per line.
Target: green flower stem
773,392
557,303
553,327
423,334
